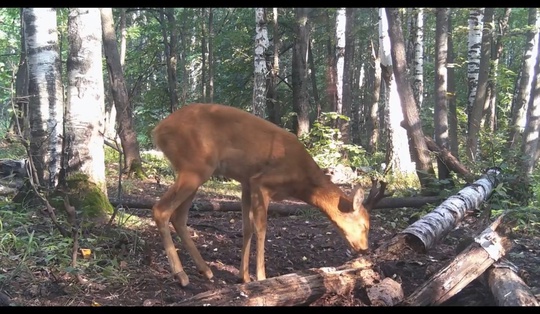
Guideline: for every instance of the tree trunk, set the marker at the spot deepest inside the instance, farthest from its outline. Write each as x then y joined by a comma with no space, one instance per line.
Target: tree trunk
288,290
331,71
417,31
272,103
348,58
463,269
210,87
373,92
475,117
450,160
476,24
529,147
507,287
490,106
341,21
441,100
398,155
424,233
126,128
17,122
417,144
300,73
451,92
170,40
524,82
46,106
259,82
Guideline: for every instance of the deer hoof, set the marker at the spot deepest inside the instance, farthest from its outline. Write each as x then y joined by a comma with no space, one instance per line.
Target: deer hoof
182,278
207,273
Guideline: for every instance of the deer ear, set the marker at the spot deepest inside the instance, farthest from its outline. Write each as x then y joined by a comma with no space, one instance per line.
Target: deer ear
358,198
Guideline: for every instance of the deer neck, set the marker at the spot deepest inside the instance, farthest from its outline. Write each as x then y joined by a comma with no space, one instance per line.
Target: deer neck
330,199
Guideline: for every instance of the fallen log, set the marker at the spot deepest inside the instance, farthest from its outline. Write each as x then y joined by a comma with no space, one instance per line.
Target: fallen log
291,289
279,209
431,228
449,160
472,262
507,287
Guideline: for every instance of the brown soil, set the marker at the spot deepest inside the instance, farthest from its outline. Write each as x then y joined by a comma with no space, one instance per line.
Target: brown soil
294,243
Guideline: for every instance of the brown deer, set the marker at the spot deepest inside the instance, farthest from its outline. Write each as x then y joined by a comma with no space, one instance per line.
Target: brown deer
202,140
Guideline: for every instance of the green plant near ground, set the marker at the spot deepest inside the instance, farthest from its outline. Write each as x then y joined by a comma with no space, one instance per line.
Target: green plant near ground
29,241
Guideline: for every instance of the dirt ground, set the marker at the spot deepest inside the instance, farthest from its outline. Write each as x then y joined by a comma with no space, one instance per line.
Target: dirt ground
294,243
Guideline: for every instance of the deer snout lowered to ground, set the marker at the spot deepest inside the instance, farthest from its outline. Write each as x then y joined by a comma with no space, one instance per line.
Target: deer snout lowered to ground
202,140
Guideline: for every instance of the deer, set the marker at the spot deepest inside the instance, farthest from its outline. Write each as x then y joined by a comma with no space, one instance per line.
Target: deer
270,163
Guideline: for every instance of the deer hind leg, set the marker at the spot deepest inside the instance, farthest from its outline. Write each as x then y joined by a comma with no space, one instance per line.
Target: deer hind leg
186,184
259,207
247,232
179,221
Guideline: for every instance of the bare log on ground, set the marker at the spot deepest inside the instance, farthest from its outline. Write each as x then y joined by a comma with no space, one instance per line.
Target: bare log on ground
449,160
291,289
507,287
431,228
278,209
388,292
474,260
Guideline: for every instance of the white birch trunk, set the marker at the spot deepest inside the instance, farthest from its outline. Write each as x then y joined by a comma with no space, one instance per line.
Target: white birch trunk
418,68
341,21
259,82
45,90
474,43
401,158
86,94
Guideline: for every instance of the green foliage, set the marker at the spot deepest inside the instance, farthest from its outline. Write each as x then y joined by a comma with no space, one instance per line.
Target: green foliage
157,164
326,146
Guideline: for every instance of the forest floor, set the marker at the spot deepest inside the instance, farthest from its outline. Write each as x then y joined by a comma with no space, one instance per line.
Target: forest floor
128,265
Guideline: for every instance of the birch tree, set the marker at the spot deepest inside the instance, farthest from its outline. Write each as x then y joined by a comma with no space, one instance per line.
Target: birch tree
259,82
475,116
341,20
46,107
474,43
85,103
418,55
399,155
273,108
441,102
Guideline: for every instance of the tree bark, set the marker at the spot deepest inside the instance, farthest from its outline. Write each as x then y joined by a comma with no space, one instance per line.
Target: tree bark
508,288
440,118
417,144
452,108
424,233
475,116
463,269
291,289
300,73
259,81
451,161
274,208
124,113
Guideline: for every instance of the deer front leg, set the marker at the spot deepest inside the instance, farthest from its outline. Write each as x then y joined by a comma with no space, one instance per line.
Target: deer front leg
179,221
259,207
247,230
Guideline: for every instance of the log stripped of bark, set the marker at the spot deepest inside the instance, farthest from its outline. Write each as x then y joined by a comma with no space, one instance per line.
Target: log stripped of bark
507,287
463,269
431,228
291,289
277,209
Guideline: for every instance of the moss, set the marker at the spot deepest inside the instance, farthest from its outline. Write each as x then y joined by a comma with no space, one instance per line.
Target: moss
86,197
137,170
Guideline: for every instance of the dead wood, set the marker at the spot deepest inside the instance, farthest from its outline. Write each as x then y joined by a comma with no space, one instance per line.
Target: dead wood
507,287
449,160
463,269
292,289
277,209
424,233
